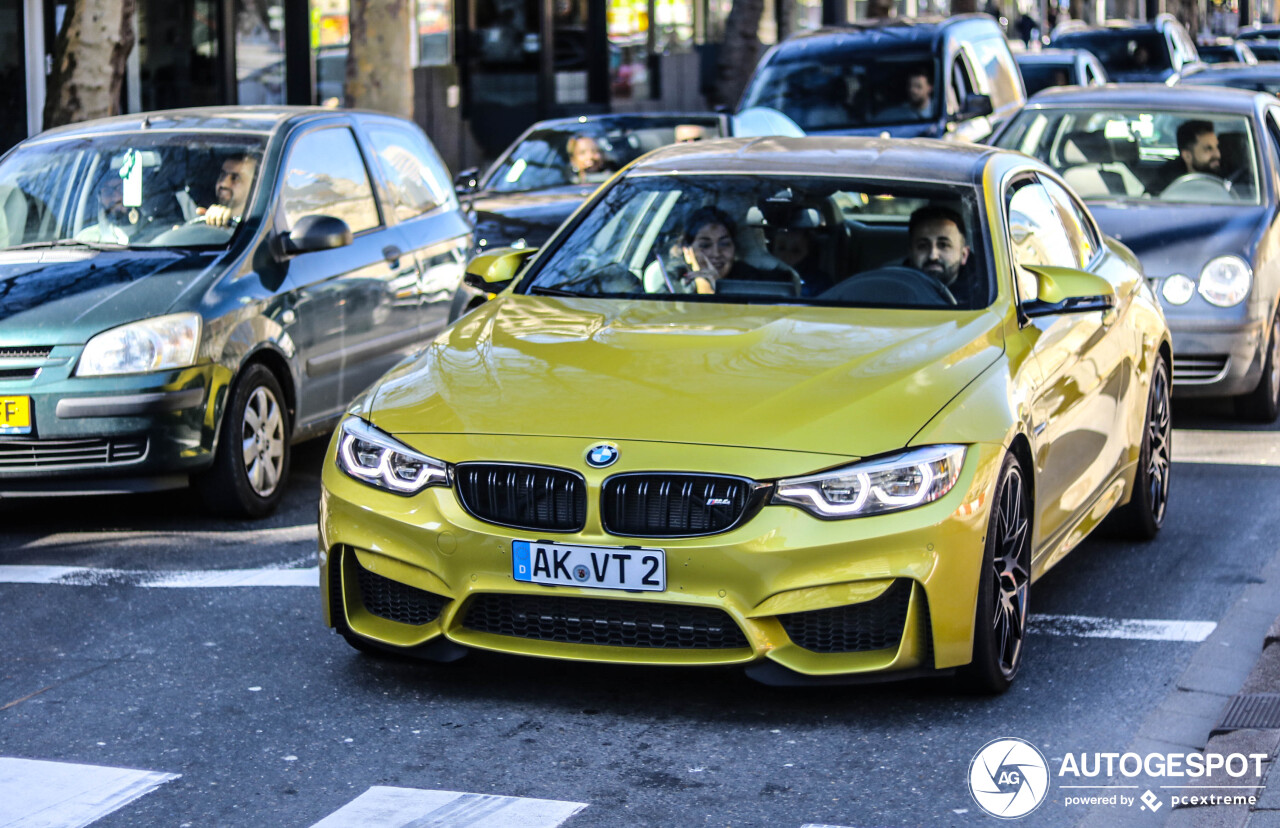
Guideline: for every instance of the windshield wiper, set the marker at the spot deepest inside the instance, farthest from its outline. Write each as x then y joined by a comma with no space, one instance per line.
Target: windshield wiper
48,245
539,290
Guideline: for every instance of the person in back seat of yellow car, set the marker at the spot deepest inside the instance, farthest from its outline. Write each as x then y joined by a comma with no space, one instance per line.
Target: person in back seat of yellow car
711,253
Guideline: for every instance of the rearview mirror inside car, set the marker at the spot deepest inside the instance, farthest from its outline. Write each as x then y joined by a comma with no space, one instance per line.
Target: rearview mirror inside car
1067,290
313,233
493,271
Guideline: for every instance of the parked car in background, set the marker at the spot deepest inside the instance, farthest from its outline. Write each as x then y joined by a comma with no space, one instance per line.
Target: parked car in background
621,460
184,294
1226,50
1059,67
1160,50
1186,177
1258,77
1264,41
930,77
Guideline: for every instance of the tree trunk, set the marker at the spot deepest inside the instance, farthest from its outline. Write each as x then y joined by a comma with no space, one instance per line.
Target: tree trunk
1188,13
379,74
964,6
786,18
89,61
739,51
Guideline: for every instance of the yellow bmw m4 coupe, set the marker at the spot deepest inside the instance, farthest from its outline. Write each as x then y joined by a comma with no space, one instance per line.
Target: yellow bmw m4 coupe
822,407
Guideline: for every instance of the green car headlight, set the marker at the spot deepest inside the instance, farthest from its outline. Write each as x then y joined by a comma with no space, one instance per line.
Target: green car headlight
873,487
159,344
372,456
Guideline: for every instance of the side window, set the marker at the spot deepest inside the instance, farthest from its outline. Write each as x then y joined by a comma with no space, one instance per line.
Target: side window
414,172
1036,235
961,84
1080,230
326,176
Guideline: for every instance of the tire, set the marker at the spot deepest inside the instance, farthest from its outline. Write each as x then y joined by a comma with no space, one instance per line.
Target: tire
1004,581
251,463
1262,404
1142,517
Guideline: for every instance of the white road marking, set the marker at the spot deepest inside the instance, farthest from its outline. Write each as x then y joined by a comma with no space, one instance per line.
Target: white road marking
412,808
37,794
82,576
284,534
1241,448
1134,629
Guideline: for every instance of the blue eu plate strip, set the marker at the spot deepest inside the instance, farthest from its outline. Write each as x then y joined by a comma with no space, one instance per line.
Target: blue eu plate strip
521,565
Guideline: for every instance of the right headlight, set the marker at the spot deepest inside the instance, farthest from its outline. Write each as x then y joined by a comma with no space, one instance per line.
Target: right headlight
873,487
372,456
1225,281
157,344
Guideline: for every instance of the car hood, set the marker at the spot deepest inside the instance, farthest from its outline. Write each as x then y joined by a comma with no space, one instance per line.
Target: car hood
919,129
850,382
64,296
501,220
1180,238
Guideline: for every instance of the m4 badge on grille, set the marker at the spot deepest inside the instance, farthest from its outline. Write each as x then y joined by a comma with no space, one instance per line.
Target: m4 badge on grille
719,501
601,455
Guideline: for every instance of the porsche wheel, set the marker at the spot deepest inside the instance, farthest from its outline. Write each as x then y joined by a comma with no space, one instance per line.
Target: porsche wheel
1262,405
1142,517
252,458
1000,623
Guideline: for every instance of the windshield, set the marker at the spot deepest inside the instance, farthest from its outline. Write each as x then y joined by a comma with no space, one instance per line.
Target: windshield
775,240
864,90
1039,76
1217,54
132,189
591,151
1122,50
1139,155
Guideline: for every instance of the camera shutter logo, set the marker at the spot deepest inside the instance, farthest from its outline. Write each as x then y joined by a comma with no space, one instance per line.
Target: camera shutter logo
1009,778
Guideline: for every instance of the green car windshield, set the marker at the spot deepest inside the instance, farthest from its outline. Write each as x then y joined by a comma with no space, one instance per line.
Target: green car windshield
1133,154
767,239
127,189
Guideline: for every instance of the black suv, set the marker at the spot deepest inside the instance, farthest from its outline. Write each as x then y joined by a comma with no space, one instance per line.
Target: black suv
929,77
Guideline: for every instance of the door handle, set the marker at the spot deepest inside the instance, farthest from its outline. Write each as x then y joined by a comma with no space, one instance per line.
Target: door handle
392,254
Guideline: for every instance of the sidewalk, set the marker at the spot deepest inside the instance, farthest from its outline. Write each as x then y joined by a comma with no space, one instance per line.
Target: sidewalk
1250,723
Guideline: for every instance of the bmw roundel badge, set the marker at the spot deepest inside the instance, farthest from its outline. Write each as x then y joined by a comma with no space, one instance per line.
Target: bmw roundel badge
601,455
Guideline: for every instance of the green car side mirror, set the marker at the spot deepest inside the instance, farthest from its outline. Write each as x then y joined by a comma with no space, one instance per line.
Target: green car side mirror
491,272
1067,290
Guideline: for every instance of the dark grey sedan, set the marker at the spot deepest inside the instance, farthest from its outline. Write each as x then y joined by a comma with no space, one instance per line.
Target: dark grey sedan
1187,178
185,294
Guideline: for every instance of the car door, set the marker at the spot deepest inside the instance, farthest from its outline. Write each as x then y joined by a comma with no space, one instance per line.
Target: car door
1074,411
341,305
427,216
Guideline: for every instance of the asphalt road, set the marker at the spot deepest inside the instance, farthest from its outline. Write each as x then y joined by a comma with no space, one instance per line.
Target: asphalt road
268,719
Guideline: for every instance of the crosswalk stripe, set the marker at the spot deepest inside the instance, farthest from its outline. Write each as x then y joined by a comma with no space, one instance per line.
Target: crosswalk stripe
1135,629
83,576
1240,448
413,808
40,794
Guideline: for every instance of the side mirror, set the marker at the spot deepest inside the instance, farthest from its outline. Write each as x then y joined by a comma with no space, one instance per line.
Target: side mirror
491,272
976,106
313,233
467,180
1067,290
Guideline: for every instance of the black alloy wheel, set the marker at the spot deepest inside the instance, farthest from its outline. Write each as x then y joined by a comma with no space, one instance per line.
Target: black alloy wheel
1000,623
251,462
1142,517
1262,404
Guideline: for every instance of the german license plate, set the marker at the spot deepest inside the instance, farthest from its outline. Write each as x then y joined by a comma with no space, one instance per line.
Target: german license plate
601,567
15,415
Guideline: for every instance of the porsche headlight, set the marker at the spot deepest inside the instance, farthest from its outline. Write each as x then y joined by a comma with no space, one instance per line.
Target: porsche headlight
375,457
1225,281
887,484
157,344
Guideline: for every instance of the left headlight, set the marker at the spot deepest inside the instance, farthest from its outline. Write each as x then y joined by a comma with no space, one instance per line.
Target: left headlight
1225,281
372,456
157,344
887,484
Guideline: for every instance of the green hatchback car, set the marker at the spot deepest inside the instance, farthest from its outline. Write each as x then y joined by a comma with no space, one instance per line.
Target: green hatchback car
185,294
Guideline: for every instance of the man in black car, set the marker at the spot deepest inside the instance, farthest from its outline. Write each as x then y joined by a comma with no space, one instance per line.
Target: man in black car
937,246
1197,153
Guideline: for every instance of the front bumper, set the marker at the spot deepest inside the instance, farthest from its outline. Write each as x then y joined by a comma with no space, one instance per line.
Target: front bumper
1217,352
134,432
817,598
